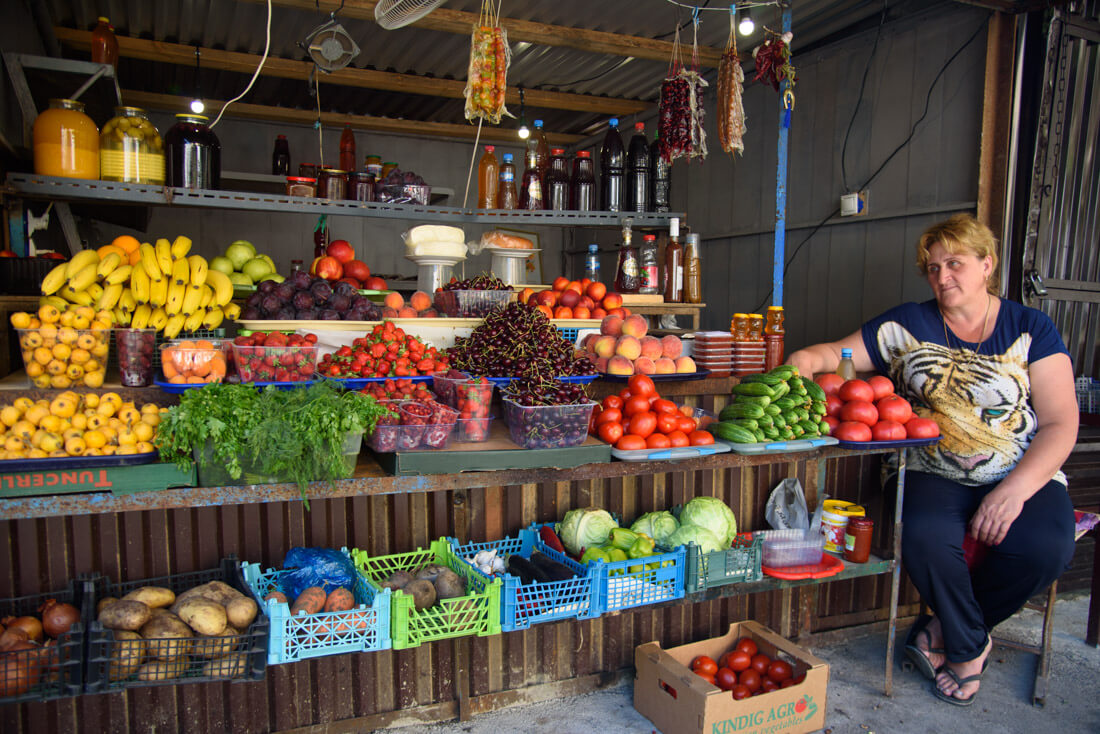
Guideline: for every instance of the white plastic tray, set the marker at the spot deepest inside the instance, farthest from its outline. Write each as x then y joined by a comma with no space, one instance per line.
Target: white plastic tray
680,452
779,447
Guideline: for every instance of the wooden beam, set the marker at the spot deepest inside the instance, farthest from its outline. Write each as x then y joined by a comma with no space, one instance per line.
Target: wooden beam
243,110
245,63
996,121
543,34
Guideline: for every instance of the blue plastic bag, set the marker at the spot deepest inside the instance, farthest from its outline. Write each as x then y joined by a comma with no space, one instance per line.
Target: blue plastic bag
324,567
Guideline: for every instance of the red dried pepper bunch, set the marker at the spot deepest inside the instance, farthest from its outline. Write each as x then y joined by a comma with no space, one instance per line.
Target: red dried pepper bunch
773,60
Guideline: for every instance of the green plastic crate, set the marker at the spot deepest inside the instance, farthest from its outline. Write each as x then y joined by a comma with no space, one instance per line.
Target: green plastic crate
737,565
477,613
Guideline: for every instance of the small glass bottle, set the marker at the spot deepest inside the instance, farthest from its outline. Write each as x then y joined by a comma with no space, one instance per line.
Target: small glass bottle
649,278
347,149
488,179
627,270
295,265
846,368
508,196
674,264
104,43
693,272
280,157
592,263
530,193
582,184
557,181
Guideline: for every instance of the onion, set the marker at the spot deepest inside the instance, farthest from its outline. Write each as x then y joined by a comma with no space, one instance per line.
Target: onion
58,618
18,669
11,636
32,626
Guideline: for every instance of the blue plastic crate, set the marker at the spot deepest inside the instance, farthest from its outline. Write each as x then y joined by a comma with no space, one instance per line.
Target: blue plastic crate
363,629
568,333
641,581
524,605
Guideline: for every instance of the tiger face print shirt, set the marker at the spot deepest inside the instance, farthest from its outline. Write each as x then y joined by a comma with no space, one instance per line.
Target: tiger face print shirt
979,396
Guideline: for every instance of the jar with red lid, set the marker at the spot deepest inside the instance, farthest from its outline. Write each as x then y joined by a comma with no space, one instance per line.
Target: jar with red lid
857,539
301,186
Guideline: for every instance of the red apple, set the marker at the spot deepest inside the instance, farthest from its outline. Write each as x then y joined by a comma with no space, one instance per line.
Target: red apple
351,281
374,283
341,250
328,268
356,269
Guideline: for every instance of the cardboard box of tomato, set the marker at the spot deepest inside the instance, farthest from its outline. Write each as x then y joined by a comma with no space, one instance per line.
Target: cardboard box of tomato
676,699
869,410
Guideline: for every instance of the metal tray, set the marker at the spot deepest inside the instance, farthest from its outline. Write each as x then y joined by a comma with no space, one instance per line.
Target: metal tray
77,462
672,454
672,377
903,443
352,383
780,447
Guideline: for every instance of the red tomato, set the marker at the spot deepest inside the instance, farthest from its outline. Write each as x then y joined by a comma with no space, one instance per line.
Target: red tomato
592,424
642,424
723,662
800,677
660,441
679,438
687,425
760,663
750,679
881,385
747,645
708,678
852,431
641,385
725,679
769,685
700,438
740,692
888,431
667,422
833,423
921,428
894,408
779,670
860,410
665,406
624,393
612,401
856,390
704,664
833,404
611,415
740,660
788,683
829,382
630,442
610,432
636,404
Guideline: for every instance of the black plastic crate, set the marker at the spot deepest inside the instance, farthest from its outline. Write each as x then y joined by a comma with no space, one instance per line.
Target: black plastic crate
56,670
103,648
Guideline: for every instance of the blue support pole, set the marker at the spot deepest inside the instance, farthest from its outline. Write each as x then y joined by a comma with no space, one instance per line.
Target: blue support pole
779,256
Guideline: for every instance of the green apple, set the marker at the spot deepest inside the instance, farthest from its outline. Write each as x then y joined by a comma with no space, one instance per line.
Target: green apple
239,279
239,253
222,265
269,262
257,268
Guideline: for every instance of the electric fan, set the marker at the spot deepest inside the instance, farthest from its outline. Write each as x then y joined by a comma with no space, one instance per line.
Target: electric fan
330,46
392,14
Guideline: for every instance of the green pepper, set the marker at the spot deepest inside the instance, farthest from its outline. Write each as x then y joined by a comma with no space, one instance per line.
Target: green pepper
641,547
622,538
617,554
595,554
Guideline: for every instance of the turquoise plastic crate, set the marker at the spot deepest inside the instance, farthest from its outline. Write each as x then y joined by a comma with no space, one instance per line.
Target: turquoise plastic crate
739,564
363,629
524,605
569,333
640,581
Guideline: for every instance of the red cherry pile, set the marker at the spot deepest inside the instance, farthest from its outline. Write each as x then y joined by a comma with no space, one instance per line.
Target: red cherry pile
869,410
745,671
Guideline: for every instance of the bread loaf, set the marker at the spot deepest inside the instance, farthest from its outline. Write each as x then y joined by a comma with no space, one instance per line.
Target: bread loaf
500,239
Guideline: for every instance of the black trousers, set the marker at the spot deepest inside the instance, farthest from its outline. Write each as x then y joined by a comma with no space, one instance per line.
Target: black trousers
1034,553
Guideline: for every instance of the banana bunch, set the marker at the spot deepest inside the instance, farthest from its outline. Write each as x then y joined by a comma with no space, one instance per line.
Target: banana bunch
166,289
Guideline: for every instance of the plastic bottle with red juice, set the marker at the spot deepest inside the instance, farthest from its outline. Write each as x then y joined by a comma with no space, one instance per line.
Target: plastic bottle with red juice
347,149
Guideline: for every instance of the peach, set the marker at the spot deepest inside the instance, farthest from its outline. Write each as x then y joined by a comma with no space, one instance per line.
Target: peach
598,313
611,325
601,364
406,312
665,366
620,366
604,346
420,301
596,291
635,326
612,301
671,346
651,347
685,364
644,366
629,347
429,313
582,312
394,300
589,341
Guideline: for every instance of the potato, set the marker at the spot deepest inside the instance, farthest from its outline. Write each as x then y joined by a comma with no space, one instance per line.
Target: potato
104,602
204,616
423,593
449,585
127,654
153,597
161,670
167,637
240,612
431,571
125,615
214,646
397,580
229,666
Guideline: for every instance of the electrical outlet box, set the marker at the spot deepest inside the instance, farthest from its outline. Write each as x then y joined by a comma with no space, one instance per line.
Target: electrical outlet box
853,205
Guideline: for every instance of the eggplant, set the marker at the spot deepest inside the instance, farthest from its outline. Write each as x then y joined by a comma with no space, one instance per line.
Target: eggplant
554,570
528,572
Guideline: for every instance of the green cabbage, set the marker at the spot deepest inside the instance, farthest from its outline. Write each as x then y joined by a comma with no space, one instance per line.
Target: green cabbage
657,525
714,515
705,539
586,527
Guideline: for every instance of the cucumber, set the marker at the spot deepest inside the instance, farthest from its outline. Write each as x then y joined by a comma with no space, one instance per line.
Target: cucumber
764,379
786,403
760,437
784,372
809,426
798,389
818,408
813,389
761,400
741,410
773,409
771,434
823,426
802,414
786,433
746,423
734,433
753,389
764,423
780,390
780,420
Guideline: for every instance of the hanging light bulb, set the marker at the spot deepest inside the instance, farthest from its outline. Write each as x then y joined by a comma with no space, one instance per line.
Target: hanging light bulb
523,132
197,105
746,26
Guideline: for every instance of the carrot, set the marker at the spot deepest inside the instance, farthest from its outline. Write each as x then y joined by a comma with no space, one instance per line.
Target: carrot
340,600
310,601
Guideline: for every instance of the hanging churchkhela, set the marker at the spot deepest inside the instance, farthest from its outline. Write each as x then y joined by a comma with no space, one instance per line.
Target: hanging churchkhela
731,108
486,79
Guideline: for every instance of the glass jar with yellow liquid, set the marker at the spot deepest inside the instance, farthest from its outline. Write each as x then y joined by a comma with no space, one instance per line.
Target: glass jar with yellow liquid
131,149
66,141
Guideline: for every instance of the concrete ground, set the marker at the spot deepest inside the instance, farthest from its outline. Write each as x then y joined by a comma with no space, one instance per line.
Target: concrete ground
855,702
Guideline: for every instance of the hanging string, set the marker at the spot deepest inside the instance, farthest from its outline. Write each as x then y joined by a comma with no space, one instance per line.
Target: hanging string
473,155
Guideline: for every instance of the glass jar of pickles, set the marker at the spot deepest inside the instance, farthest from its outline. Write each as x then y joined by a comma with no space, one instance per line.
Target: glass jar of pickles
66,141
131,149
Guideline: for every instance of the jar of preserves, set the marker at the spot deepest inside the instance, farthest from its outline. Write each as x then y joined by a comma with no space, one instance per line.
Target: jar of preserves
361,186
693,271
193,153
373,163
66,141
387,167
131,149
301,186
332,183
857,539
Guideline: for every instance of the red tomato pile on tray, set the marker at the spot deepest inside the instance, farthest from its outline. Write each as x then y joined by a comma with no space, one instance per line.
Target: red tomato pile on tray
399,390
639,418
745,671
868,410
386,351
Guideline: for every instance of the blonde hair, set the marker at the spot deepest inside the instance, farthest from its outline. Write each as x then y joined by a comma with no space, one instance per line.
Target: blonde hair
961,234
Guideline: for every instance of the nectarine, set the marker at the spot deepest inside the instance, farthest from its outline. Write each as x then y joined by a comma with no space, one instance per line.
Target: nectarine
612,301
635,326
644,366
651,347
685,364
665,366
596,291
394,300
620,366
629,347
611,325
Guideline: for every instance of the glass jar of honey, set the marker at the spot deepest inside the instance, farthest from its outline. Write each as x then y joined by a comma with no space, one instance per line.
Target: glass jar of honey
739,327
756,327
66,141
774,324
131,149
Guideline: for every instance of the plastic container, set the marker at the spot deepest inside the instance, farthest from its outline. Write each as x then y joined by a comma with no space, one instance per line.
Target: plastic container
641,581
473,430
476,613
104,43
783,548
60,673
525,604
365,628
413,426
471,304
64,357
636,194
556,183
774,320
444,386
592,263
488,179
347,149
834,521
612,168
250,644
773,351
659,176
532,196
131,149
582,183
185,361
403,194
738,564
66,141
547,426
846,368
256,364
507,194
193,155
473,397
135,356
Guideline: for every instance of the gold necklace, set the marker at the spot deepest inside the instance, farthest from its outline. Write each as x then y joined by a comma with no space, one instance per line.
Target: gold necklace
981,340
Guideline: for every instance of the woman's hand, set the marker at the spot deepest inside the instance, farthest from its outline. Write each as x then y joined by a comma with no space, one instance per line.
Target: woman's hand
995,516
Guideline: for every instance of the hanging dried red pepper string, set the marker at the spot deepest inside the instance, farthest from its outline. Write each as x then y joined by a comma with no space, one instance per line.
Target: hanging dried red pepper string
681,113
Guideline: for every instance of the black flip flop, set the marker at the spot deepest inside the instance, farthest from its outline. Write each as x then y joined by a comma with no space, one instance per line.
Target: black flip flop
917,657
960,682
